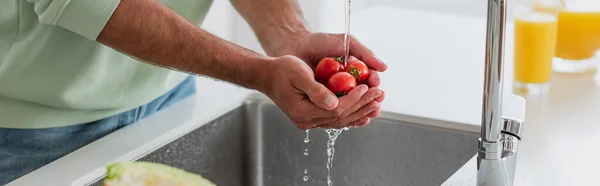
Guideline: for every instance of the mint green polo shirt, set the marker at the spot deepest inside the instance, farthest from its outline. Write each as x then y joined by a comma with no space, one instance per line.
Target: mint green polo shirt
53,72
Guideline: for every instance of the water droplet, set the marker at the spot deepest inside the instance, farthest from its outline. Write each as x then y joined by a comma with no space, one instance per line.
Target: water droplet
306,140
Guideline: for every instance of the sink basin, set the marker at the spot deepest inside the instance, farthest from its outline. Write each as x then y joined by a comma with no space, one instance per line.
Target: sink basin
257,145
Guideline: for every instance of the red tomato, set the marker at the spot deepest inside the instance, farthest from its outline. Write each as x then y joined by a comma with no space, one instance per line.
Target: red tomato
359,70
327,67
341,83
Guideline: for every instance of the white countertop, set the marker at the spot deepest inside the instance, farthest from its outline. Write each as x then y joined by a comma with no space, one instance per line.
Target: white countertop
435,71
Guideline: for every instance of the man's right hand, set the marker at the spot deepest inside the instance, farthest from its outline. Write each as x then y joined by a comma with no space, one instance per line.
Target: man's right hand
290,83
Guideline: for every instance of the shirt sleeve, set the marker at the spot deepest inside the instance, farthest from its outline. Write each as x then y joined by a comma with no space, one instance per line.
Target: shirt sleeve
84,17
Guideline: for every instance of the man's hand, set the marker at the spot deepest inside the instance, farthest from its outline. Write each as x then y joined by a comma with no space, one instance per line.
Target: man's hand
280,28
290,83
312,47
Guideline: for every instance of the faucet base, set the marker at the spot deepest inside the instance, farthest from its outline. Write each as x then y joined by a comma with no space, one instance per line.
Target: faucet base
496,172
496,161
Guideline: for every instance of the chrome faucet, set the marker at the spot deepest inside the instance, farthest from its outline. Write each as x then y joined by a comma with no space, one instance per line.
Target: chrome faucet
502,115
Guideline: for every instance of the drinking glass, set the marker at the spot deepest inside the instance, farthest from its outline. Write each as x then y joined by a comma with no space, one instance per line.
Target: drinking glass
578,36
535,32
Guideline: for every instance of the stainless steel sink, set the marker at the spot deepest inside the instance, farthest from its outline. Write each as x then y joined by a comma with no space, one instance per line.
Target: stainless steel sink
257,145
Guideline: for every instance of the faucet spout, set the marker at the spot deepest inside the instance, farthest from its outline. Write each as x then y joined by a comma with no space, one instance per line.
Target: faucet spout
494,57
502,115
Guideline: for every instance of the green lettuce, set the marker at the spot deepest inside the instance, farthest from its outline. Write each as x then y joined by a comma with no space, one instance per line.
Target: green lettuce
142,173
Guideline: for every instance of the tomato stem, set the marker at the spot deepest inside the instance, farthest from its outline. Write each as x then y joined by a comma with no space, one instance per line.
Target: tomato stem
340,94
339,59
354,72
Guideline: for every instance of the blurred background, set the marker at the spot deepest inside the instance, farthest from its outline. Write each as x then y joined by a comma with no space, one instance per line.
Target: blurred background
328,16
435,52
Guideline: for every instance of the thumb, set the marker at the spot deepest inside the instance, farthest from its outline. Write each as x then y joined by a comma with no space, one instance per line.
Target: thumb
318,93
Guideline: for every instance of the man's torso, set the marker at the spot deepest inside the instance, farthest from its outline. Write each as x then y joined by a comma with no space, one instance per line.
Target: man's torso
50,76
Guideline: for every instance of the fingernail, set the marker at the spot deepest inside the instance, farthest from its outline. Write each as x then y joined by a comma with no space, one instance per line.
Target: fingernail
365,121
375,106
330,101
376,95
363,90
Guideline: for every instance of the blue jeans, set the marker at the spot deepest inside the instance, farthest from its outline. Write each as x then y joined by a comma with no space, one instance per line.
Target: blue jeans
24,150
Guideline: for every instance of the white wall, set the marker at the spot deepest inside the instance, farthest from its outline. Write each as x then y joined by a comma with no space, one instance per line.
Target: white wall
220,20
327,15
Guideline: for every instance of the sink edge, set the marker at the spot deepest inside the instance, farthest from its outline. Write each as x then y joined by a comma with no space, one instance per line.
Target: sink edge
129,144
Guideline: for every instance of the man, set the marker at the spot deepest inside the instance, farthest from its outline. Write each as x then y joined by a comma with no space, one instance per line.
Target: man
74,71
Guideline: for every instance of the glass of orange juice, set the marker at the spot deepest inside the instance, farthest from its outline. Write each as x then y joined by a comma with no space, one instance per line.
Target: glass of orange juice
535,32
578,36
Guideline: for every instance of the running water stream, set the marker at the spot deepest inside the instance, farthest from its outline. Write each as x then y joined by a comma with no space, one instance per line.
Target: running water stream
347,7
332,134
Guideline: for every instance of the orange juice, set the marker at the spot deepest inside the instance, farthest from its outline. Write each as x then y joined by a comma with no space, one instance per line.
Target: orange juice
535,41
578,34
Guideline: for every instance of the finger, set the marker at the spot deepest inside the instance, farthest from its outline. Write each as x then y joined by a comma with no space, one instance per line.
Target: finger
369,97
373,79
316,116
362,52
363,100
364,123
327,122
360,122
347,101
303,125
375,113
319,122
317,93
363,112
381,98
307,119
344,122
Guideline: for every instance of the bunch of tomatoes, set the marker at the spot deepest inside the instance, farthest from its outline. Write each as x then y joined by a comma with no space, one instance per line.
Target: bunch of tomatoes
339,78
